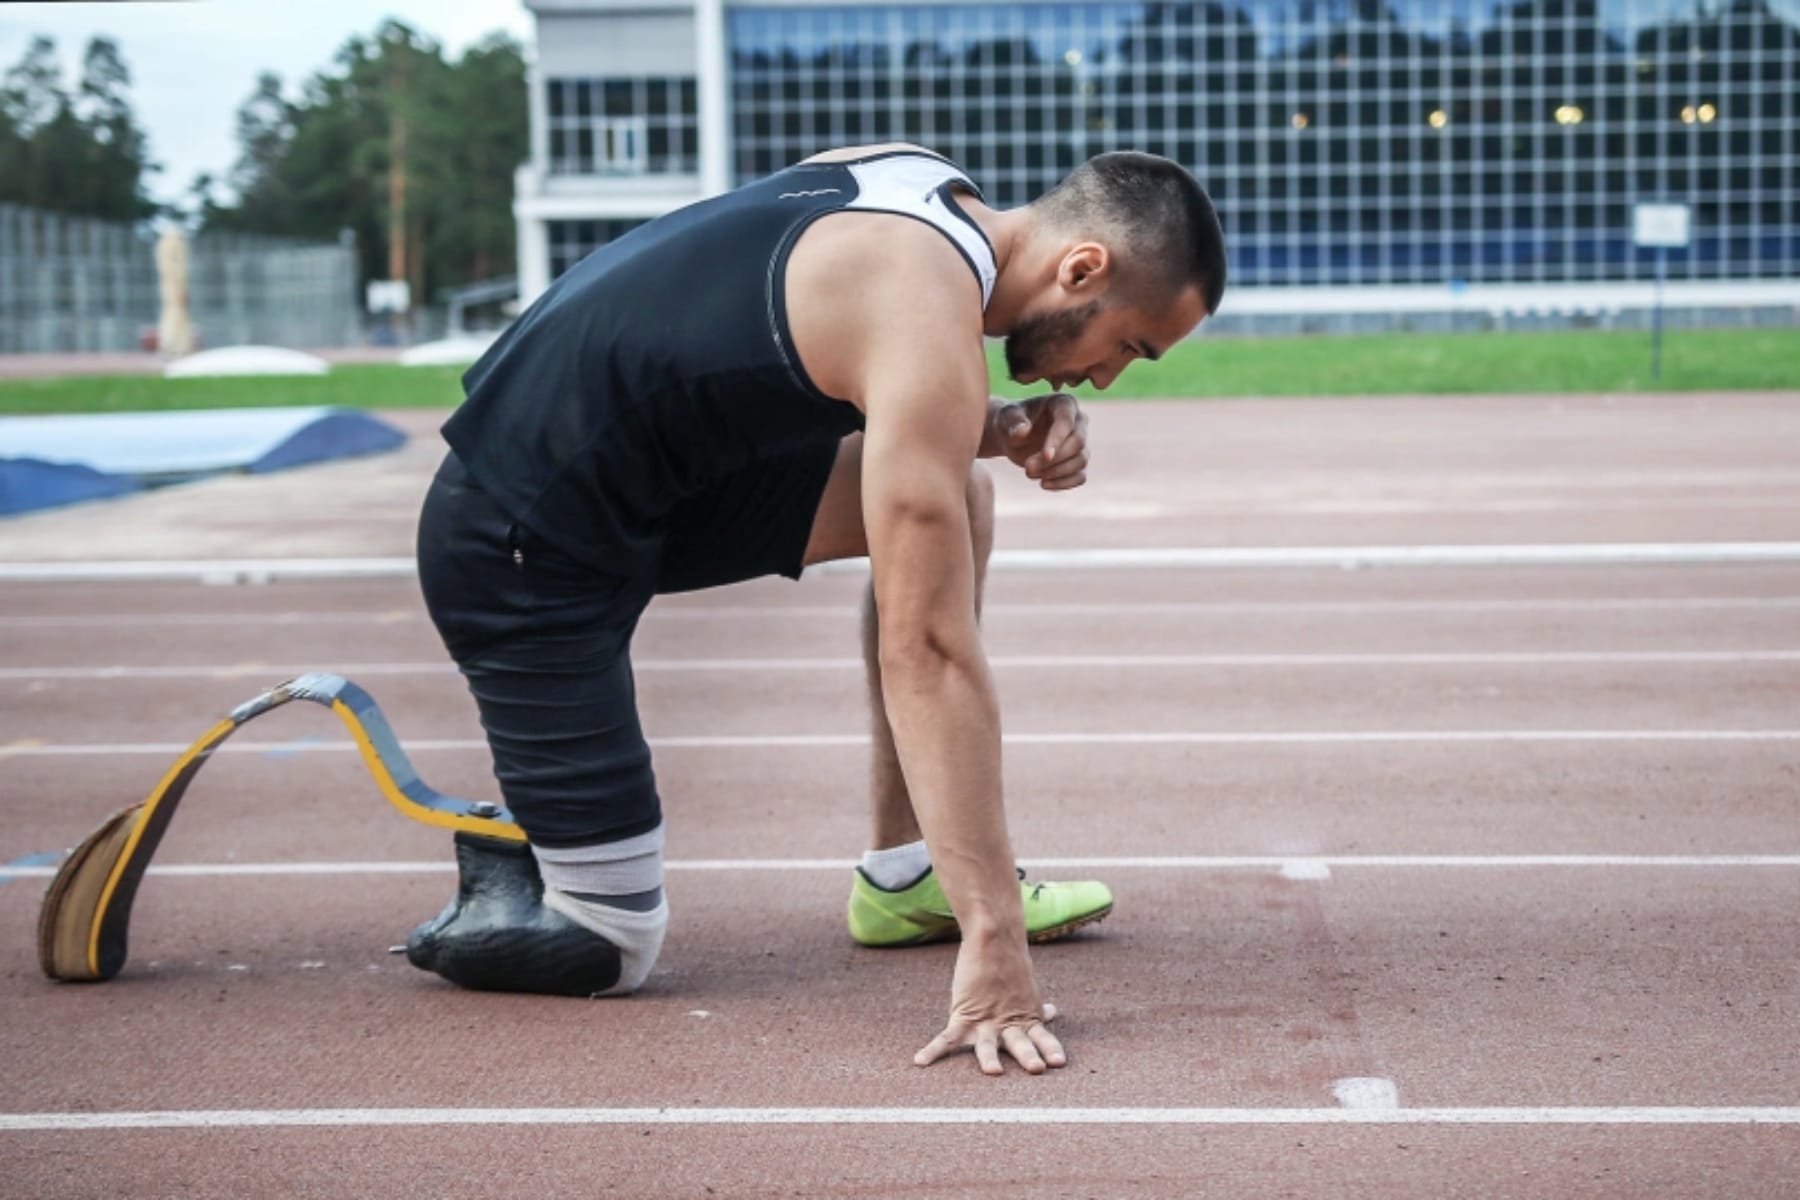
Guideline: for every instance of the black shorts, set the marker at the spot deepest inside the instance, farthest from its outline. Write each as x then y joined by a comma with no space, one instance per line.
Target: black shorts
544,641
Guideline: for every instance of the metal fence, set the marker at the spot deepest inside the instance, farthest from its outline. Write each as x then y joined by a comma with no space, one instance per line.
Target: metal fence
1403,142
78,285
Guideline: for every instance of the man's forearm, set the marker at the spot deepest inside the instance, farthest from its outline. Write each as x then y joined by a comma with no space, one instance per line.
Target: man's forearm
945,717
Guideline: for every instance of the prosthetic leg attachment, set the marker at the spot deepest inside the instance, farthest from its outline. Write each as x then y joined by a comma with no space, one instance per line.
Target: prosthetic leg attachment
497,936
83,923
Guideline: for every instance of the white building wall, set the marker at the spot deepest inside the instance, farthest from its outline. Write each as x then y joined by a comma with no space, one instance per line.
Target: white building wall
586,39
573,45
715,120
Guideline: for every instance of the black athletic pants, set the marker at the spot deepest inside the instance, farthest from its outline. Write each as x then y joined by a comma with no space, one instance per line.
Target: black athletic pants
544,640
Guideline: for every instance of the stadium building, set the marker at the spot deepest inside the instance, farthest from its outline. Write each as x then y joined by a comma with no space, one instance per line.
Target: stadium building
1437,149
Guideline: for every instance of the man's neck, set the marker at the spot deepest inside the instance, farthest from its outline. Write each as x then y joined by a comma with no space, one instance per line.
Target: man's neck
1009,232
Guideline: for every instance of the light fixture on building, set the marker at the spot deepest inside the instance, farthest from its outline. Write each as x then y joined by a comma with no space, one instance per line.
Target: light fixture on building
1689,114
1300,120
1569,114
1438,118
1073,58
1707,112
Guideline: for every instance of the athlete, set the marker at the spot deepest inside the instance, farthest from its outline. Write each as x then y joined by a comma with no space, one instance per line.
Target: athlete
785,375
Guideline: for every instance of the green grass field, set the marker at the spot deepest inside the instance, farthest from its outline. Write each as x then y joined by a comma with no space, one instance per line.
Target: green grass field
1428,364
1398,364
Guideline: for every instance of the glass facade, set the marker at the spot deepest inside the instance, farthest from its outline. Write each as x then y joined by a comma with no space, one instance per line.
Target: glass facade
645,125
572,241
1344,143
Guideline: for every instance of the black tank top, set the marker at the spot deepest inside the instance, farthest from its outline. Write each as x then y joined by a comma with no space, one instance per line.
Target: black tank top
662,362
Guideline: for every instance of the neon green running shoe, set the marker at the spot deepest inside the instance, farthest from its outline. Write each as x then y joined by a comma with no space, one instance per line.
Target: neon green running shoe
920,913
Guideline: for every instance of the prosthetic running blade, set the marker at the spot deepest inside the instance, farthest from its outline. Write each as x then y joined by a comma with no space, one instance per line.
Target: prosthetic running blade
87,909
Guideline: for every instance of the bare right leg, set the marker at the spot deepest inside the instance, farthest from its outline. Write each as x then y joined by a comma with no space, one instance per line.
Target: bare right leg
838,533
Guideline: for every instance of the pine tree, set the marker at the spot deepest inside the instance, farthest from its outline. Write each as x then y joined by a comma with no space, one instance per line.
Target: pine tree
81,154
413,153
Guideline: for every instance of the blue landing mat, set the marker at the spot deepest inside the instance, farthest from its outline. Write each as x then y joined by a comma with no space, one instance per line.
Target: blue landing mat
49,461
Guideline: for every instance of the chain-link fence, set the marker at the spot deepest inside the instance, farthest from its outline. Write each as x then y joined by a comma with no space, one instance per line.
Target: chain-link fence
74,285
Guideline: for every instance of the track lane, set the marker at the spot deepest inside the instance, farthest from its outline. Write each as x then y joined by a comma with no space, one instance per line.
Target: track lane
1691,1163
1631,798
1638,988
1636,962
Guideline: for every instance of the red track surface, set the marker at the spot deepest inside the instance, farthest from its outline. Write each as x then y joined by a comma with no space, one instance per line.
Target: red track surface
1487,985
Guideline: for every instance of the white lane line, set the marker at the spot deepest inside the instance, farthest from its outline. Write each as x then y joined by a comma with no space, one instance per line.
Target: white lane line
1222,558
1317,867
263,1118
19,746
1366,1093
848,611
1056,661
820,741
227,571
1378,607
212,571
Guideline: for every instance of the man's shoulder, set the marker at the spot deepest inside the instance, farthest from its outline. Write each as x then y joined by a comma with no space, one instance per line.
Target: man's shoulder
887,262
873,286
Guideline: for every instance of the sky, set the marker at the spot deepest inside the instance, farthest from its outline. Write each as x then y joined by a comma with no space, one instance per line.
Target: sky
194,61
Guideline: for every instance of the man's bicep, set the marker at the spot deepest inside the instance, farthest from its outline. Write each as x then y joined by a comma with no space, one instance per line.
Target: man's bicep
924,397
917,370
917,454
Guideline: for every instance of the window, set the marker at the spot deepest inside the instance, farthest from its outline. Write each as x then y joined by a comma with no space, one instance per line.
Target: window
1450,107
621,145
644,125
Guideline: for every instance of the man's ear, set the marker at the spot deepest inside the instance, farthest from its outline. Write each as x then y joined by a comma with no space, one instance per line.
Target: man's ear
1084,266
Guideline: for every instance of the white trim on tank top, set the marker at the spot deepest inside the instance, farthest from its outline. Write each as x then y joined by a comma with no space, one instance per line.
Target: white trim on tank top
911,184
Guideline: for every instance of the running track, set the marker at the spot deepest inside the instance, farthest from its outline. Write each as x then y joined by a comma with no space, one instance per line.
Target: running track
1431,881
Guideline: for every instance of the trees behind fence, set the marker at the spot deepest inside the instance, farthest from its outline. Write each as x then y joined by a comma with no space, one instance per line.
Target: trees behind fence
79,285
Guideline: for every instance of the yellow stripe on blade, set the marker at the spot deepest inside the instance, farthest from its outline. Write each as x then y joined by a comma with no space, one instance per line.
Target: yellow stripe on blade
384,779
211,738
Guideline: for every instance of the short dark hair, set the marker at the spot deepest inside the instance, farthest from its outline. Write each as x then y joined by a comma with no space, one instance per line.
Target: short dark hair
1166,227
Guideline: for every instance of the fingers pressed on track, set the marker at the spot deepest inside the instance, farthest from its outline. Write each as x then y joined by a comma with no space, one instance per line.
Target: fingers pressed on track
938,1047
987,1053
1024,1052
1047,1045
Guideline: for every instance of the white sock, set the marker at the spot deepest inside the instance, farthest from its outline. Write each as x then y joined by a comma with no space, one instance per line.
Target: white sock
638,935
898,868
606,888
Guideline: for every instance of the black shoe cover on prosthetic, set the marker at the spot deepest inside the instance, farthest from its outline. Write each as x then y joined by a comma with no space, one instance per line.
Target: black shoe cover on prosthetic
497,936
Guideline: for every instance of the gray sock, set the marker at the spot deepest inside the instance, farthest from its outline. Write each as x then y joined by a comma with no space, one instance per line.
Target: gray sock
624,868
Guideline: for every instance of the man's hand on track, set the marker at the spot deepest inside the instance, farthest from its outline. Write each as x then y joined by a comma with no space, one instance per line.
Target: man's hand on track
994,1007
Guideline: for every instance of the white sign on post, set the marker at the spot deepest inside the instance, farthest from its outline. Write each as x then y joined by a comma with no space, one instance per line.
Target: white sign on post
1667,225
389,296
